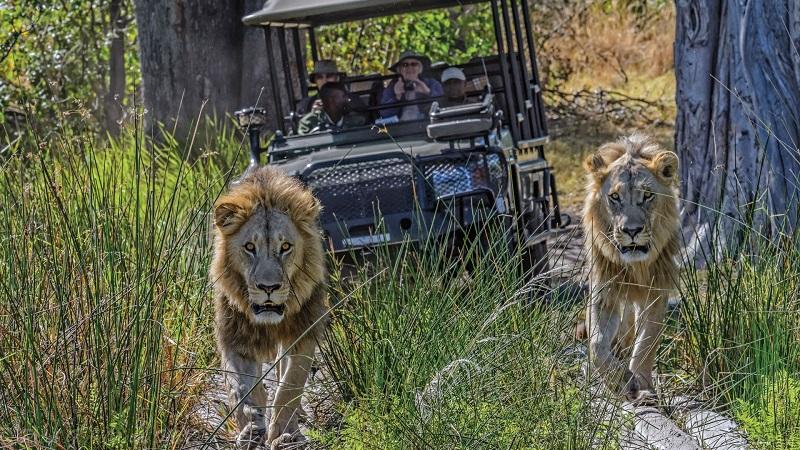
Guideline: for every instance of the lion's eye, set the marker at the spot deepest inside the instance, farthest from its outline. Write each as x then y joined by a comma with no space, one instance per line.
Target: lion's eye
614,197
648,195
285,247
250,247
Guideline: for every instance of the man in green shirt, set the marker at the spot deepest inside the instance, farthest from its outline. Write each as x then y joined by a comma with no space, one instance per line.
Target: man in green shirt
336,112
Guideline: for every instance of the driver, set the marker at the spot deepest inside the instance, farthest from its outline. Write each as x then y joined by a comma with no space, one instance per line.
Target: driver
325,71
409,86
336,112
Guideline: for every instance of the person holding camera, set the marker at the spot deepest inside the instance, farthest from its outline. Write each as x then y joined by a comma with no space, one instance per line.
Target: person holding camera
410,86
336,113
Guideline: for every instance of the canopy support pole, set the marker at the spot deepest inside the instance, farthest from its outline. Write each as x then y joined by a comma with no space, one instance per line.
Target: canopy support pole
273,79
507,92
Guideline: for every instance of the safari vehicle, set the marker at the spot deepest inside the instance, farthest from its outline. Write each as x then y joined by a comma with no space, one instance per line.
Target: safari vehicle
445,174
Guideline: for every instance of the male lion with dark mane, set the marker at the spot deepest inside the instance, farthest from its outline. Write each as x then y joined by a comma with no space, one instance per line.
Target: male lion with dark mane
269,274
630,219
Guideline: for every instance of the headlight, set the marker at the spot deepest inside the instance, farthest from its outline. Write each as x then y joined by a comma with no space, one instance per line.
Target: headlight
450,180
475,173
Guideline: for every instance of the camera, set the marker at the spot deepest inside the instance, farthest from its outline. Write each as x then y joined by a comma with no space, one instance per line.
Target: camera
409,85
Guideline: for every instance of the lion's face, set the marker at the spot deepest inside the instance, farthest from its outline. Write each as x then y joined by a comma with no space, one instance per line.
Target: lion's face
631,197
268,254
264,251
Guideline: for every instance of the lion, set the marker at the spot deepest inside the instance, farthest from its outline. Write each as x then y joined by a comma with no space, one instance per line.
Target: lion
269,276
631,224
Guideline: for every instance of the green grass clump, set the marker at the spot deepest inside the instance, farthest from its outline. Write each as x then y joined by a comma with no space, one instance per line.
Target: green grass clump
772,416
432,352
103,272
739,333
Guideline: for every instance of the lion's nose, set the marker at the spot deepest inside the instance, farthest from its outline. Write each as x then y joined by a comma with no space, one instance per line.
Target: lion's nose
268,288
632,232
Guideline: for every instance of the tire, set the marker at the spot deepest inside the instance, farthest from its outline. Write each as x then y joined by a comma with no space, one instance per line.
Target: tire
535,261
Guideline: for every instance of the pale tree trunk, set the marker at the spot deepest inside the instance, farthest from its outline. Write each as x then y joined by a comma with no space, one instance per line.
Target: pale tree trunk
737,65
198,60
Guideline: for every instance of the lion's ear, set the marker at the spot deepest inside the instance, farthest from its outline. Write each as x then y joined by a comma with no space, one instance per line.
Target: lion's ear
665,166
594,163
227,216
597,163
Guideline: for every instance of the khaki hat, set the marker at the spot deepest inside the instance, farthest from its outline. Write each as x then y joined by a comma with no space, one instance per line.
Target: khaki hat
410,54
324,66
453,73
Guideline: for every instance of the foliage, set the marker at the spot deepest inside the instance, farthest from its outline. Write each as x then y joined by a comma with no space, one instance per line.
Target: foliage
451,36
437,351
739,335
772,416
739,315
54,59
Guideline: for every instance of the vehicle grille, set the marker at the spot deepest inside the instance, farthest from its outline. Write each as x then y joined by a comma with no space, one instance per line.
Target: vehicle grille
357,190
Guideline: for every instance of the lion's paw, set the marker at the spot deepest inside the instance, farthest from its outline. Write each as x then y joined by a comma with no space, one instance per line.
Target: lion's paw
645,397
630,387
251,437
282,442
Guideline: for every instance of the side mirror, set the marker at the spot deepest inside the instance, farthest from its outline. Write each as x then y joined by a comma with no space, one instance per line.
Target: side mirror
252,120
249,118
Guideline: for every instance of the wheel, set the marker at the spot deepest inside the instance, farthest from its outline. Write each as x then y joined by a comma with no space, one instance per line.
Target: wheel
535,261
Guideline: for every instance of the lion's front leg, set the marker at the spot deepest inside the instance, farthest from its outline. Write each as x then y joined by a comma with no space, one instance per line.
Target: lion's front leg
294,369
246,395
604,322
650,314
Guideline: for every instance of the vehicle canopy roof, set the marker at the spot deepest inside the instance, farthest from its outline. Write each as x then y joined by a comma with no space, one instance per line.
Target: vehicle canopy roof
316,12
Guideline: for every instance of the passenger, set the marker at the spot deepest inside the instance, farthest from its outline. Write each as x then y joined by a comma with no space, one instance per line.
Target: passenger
325,71
409,87
454,83
336,112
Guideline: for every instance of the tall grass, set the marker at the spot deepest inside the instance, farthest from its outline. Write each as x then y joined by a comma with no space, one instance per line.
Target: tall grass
105,322
740,318
434,351
103,263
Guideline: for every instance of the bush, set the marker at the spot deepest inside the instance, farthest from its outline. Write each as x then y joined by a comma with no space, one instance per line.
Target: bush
772,416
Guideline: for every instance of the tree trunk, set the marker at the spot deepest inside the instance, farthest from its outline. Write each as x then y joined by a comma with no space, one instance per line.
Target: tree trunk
190,54
116,66
199,60
737,65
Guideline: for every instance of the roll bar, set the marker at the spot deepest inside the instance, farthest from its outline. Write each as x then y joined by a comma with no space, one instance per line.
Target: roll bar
521,92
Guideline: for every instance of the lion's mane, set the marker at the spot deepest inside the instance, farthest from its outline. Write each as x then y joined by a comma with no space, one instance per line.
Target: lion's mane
269,188
606,265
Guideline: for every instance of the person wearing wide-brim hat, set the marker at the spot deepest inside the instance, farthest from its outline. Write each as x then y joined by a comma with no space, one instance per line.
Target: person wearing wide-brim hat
325,71
411,54
410,86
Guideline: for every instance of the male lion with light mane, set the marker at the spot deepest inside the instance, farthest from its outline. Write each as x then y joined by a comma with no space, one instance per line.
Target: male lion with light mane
269,274
630,219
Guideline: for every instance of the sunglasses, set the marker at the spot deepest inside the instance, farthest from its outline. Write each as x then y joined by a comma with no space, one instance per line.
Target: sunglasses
410,64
